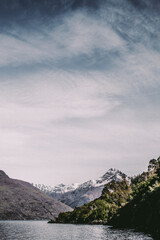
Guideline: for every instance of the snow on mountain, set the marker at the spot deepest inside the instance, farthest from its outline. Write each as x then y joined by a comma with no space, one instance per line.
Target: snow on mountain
77,194
58,189
111,174
44,188
62,188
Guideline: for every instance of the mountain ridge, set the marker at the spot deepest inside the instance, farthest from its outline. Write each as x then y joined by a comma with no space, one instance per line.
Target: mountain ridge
134,205
99,211
75,195
19,200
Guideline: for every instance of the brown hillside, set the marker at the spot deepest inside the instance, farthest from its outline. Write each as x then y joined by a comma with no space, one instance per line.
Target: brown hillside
20,200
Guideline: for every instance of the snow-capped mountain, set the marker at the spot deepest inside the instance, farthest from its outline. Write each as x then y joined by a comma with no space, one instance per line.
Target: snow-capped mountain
111,174
76,194
62,188
58,189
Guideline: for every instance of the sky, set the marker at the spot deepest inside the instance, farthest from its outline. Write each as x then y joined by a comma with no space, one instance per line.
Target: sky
79,88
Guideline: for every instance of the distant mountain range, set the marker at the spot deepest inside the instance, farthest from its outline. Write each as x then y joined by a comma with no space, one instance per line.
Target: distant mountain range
75,195
123,204
19,200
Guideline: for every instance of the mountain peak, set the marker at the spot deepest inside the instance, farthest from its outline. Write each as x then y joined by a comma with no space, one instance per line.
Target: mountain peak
76,195
111,174
112,171
3,175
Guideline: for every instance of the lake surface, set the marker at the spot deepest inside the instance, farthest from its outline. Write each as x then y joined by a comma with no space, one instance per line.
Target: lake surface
40,230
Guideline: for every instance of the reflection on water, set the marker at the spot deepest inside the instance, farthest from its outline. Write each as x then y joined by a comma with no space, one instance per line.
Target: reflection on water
40,230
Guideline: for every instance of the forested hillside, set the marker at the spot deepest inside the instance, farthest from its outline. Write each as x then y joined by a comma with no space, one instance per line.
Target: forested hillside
142,212
124,204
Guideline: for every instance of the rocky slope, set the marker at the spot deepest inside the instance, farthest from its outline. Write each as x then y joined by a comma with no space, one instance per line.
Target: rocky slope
20,200
76,195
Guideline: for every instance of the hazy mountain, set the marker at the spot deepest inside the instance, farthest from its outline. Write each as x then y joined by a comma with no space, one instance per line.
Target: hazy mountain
76,195
20,200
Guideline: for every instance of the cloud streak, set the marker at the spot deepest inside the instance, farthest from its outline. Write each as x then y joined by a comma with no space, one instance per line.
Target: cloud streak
76,35
78,93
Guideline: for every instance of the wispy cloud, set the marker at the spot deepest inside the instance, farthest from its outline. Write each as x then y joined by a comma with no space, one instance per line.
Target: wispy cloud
77,34
81,91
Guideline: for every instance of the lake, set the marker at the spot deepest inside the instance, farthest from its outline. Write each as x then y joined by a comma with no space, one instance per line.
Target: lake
40,230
